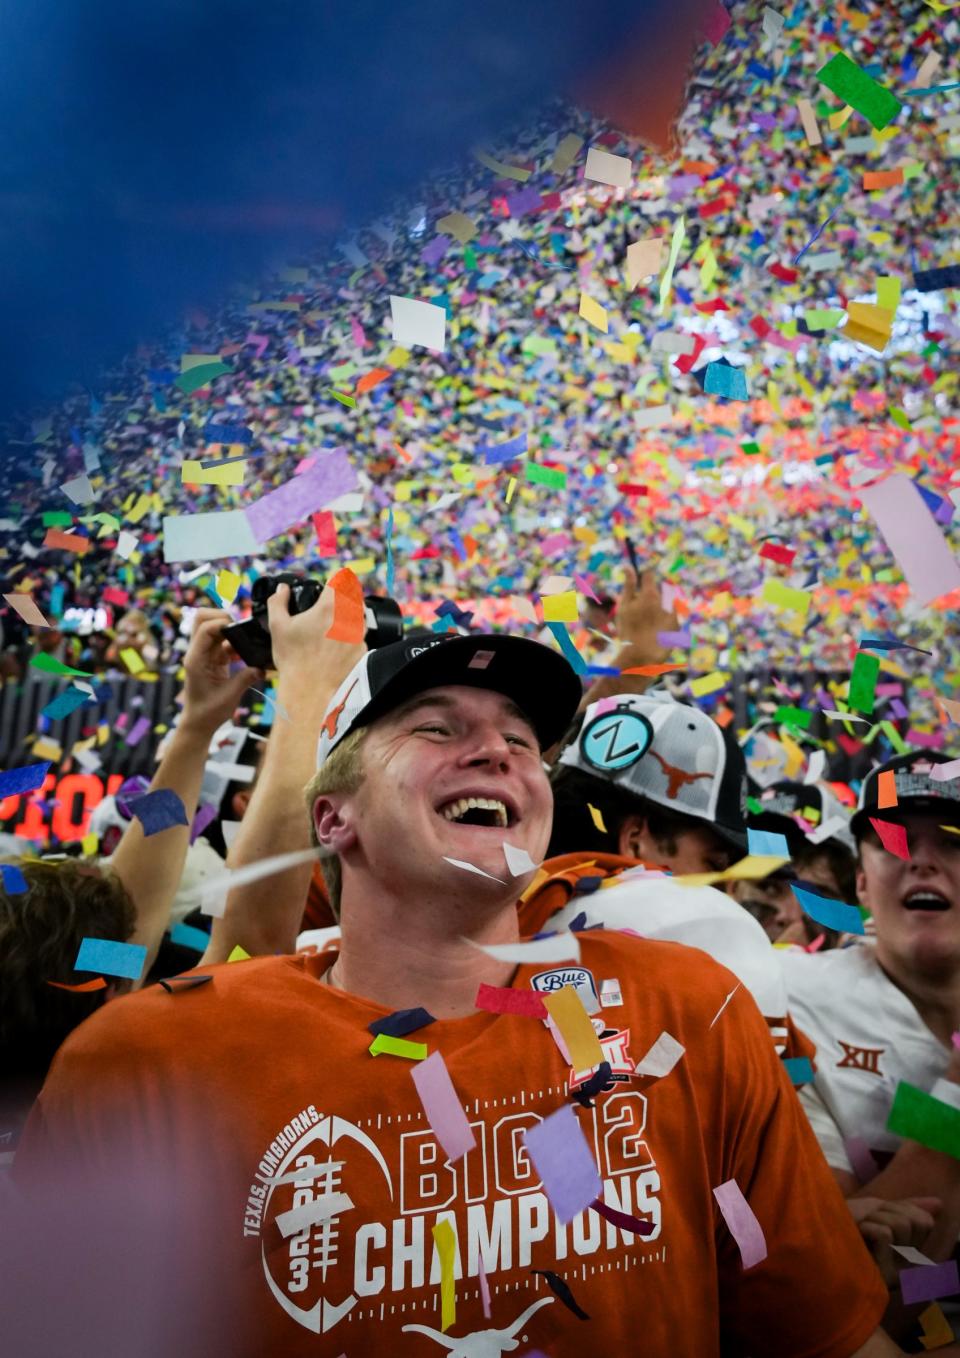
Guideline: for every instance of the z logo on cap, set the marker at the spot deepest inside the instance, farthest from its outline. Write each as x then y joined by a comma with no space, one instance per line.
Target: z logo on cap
616,739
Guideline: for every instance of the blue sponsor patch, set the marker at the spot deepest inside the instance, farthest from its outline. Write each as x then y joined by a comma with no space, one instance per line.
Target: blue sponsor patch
616,739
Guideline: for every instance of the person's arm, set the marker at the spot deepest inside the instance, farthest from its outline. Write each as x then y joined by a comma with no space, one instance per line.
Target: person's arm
880,1345
640,617
150,866
264,917
917,1171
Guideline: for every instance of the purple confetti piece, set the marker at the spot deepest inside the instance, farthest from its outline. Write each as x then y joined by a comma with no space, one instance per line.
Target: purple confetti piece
929,1281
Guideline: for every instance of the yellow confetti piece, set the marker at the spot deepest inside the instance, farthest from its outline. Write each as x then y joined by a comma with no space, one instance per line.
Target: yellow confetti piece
838,119
230,474
753,868
445,1243
89,844
501,168
363,566
594,313
458,225
238,954
708,683
561,607
793,600
936,1327
597,819
133,660
567,1011
888,293
228,582
48,749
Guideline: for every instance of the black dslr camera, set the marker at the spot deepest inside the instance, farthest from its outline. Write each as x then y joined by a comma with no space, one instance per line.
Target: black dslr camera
251,639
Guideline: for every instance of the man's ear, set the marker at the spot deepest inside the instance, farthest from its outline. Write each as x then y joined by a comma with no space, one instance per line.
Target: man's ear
333,824
631,837
240,801
862,886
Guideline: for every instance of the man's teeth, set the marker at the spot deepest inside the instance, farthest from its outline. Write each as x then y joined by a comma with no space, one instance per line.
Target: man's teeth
917,899
455,810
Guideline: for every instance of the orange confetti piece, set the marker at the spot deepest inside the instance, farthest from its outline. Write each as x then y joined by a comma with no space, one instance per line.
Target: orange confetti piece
372,379
348,624
883,179
69,542
98,983
886,789
651,671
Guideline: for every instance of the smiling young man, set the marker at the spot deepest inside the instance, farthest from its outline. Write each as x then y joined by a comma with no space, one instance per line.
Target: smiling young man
330,1191
885,1012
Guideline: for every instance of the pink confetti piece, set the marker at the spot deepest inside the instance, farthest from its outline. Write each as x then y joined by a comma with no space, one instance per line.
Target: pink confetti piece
484,1289
741,1223
442,1106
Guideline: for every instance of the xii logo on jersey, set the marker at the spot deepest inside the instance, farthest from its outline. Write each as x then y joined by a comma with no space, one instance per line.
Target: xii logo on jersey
861,1058
613,1043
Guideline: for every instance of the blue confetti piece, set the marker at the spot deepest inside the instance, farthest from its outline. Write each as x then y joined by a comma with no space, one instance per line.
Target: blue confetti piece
25,779
189,937
935,280
494,453
767,844
14,882
66,702
799,1069
159,810
110,958
562,636
227,433
401,1022
846,919
723,379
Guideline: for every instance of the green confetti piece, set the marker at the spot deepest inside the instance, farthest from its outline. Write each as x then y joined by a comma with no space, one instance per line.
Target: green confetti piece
918,1116
823,318
678,565
469,257
750,448
794,716
195,378
546,476
894,737
754,806
385,1045
676,244
863,683
886,577
849,83
57,518
345,400
900,418
50,665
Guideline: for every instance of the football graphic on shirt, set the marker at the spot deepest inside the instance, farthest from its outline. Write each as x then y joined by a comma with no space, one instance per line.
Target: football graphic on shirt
334,1157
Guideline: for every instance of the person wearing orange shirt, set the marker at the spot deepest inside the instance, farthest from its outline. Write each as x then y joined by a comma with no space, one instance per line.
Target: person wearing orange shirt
479,1189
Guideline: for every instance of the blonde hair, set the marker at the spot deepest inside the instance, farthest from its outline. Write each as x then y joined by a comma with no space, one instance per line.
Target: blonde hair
341,772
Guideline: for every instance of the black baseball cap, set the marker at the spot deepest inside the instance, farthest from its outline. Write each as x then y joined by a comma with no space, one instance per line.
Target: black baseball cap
541,682
916,790
782,804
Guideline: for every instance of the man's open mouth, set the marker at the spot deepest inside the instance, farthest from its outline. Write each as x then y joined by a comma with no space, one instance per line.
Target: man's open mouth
491,812
926,899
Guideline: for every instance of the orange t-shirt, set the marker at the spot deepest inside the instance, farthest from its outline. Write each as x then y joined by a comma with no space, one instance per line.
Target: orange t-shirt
264,1071
317,913
555,886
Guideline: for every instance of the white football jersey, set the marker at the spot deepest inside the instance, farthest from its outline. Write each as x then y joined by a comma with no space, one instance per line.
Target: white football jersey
868,1036
699,916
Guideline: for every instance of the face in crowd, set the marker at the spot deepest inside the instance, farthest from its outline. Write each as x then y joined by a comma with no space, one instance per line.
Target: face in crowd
454,773
915,902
